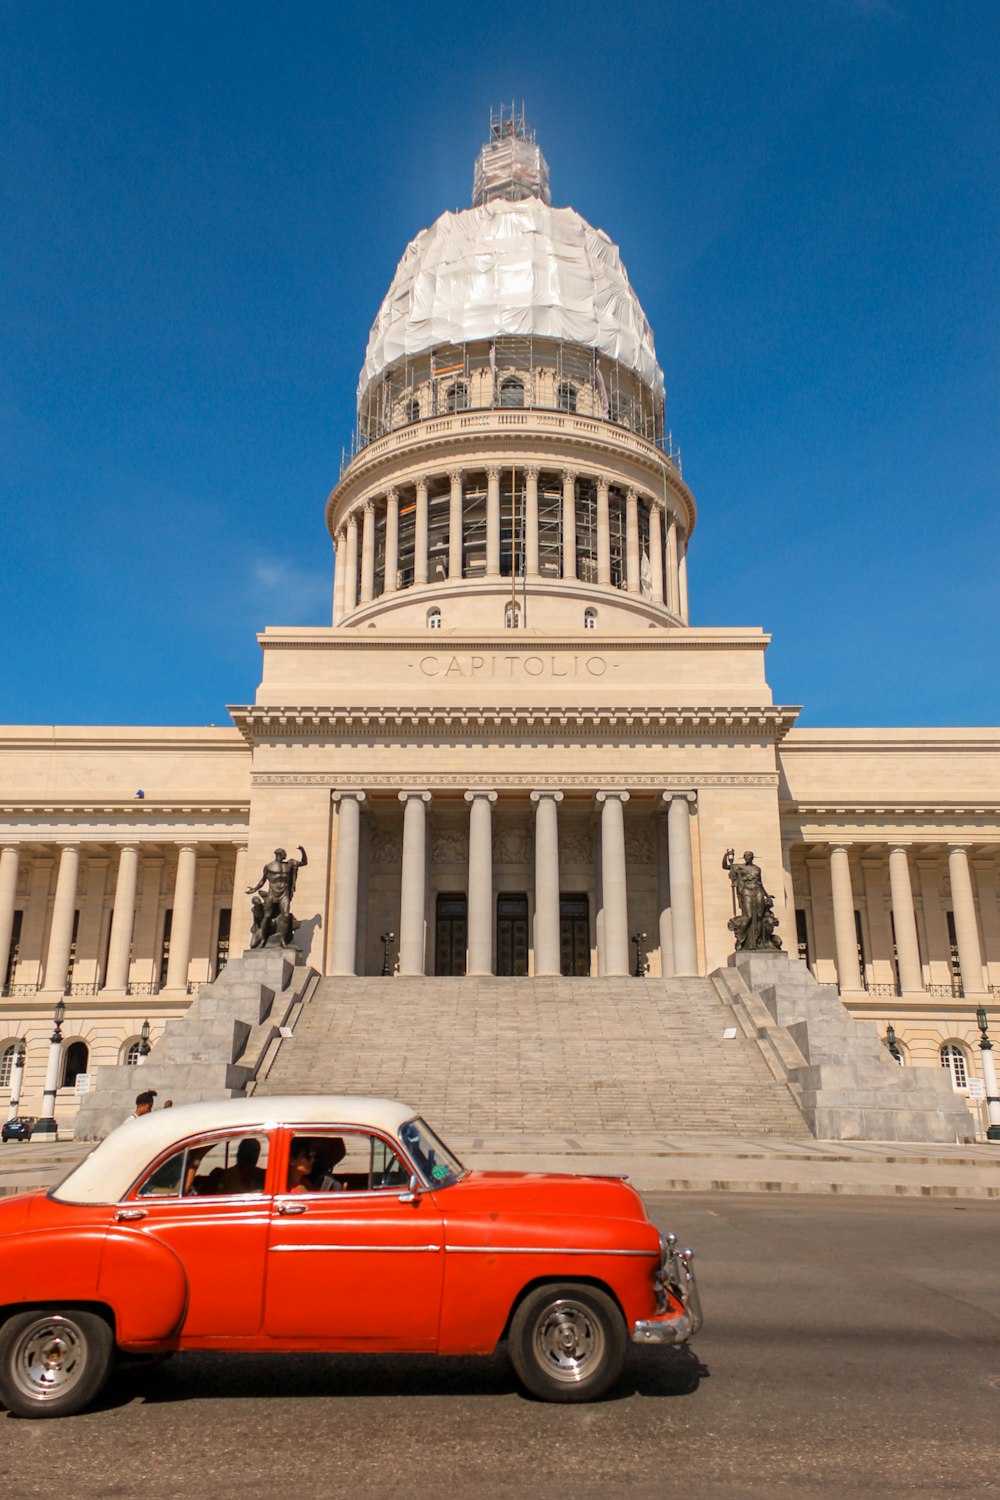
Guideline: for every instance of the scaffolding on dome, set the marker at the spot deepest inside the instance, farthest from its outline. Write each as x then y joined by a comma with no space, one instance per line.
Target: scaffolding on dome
510,165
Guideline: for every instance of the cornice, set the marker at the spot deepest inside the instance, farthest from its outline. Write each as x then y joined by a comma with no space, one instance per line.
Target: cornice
442,781
889,809
583,724
147,810
672,638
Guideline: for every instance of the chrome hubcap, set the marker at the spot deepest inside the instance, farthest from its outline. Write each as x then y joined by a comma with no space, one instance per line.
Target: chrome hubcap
49,1359
569,1341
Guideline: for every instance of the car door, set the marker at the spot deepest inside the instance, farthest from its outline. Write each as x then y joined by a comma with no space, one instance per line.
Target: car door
212,1209
350,1263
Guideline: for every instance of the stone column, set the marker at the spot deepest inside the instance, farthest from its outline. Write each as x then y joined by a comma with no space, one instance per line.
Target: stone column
344,923
493,522
632,579
613,882
656,551
673,591
970,956
183,918
351,569
413,898
531,520
844,933
367,552
420,535
603,533
480,881
663,896
569,523
911,978
339,569
989,913
61,929
682,582
123,918
239,926
9,861
391,542
455,538
547,947
682,918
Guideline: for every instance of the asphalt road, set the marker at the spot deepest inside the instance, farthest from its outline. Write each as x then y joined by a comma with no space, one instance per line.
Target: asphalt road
851,1348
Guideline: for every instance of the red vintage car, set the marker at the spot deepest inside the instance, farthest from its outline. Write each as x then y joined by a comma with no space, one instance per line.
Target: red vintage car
324,1223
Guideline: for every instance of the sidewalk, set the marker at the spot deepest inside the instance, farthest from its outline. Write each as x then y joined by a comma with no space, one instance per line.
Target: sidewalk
674,1163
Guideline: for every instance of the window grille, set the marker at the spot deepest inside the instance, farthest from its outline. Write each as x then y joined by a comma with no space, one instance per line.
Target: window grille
953,1058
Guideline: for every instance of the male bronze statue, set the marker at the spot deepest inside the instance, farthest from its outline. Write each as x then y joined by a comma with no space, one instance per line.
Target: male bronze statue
272,913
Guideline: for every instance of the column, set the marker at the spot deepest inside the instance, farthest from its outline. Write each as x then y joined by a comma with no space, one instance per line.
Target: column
656,551
420,535
183,918
480,881
911,978
61,930
663,895
368,552
17,1080
351,568
970,956
493,522
844,932
339,569
455,525
123,918
547,947
413,897
673,591
344,923
603,533
989,914
632,579
391,541
531,521
239,926
682,581
9,862
682,919
569,523
613,882
936,947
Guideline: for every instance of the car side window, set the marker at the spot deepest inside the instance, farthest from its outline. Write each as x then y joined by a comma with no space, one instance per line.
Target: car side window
232,1166
348,1161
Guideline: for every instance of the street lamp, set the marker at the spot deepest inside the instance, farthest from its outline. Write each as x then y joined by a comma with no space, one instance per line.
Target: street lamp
144,1048
46,1128
641,961
16,1080
890,1042
385,940
989,1075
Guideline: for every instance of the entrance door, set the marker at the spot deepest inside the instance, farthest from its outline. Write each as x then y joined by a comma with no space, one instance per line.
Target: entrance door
451,934
574,935
512,934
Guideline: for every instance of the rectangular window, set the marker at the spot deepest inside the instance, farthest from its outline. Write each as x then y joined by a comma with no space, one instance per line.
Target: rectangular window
802,936
168,917
222,940
15,945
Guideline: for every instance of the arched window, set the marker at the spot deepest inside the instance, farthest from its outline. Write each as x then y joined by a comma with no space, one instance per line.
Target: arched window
6,1066
457,396
590,619
566,396
77,1057
411,410
953,1058
511,392
131,1056
512,616
433,619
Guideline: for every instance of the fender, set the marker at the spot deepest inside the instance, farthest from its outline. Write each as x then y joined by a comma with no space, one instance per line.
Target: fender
144,1281
52,1265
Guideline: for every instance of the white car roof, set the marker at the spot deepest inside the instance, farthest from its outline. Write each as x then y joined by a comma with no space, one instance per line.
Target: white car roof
109,1171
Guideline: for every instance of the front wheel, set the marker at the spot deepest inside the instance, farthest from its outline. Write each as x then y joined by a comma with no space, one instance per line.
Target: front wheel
52,1363
568,1342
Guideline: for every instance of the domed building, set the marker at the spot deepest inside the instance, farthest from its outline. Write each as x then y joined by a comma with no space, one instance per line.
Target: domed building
510,755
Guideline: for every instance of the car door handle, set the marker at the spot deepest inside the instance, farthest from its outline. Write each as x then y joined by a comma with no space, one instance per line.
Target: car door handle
291,1208
130,1213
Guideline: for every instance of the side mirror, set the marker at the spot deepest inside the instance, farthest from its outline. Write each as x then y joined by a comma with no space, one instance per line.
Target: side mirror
413,1191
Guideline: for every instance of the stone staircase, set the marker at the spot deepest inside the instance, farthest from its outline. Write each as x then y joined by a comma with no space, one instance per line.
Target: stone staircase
547,1055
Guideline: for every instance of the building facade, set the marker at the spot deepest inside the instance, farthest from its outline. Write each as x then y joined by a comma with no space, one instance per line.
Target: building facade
510,752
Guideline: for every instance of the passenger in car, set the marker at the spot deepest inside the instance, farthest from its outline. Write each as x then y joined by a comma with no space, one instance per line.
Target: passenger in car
329,1152
245,1176
301,1164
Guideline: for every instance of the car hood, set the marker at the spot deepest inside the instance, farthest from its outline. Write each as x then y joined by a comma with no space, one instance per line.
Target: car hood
16,1212
549,1195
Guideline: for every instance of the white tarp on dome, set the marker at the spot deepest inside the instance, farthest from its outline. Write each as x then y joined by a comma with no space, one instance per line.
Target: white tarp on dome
511,268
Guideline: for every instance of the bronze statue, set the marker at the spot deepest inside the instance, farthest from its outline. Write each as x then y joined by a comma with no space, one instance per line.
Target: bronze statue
273,922
754,926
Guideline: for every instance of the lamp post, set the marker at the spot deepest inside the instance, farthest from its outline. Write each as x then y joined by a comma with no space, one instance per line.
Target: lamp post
46,1128
385,940
890,1042
16,1080
989,1075
144,1047
641,961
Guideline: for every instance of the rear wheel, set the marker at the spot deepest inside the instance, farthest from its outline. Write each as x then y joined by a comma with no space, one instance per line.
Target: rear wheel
568,1342
53,1363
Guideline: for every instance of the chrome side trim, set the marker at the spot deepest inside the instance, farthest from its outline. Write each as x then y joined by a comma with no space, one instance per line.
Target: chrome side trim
543,1250
384,1249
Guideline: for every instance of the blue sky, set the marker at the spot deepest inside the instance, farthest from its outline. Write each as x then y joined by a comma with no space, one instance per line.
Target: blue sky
201,206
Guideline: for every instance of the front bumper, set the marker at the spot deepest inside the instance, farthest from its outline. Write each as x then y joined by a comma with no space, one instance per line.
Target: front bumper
675,1284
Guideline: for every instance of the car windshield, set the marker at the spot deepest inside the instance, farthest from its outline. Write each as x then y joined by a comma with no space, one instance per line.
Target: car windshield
431,1156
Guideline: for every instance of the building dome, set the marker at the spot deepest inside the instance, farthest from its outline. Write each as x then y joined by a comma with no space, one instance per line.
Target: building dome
511,268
